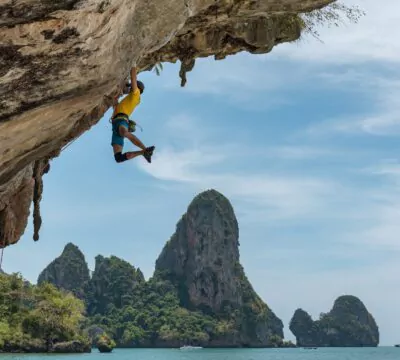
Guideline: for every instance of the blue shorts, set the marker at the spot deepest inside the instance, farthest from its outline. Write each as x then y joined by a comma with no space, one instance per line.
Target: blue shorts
117,139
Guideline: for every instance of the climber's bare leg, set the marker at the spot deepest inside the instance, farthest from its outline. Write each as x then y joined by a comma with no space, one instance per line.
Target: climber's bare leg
123,131
133,154
129,154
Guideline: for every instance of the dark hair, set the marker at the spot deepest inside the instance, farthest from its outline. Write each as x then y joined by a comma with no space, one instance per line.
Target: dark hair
140,85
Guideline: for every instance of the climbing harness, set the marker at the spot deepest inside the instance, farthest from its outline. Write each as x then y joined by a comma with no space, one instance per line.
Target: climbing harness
132,126
131,123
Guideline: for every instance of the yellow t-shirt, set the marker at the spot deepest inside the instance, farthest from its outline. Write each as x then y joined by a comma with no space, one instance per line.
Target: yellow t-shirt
128,104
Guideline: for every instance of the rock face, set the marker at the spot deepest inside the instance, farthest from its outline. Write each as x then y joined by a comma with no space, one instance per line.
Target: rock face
69,271
61,62
203,254
113,282
347,324
199,293
105,344
202,260
39,347
72,347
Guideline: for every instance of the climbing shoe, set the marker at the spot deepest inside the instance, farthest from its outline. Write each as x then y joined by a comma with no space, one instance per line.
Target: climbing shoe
148,153
150,150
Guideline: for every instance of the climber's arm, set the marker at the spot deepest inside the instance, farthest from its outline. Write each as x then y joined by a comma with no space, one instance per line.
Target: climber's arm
133,79
115,107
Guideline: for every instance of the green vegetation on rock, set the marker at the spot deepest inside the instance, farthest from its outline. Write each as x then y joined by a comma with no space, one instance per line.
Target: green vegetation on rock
105,344
39,318
112,284
347,324
153,318
199,293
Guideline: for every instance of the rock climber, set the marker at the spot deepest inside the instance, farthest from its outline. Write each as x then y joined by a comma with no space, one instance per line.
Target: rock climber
122,126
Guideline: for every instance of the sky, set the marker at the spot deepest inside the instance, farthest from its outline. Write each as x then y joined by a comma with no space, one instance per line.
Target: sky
304,142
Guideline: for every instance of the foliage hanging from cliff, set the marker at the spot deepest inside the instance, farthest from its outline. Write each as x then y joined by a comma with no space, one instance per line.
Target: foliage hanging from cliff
330,15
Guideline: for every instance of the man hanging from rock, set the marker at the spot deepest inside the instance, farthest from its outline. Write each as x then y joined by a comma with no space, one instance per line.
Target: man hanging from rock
122,126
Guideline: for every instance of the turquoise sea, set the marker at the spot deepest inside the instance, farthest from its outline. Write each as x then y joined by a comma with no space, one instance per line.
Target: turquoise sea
381,353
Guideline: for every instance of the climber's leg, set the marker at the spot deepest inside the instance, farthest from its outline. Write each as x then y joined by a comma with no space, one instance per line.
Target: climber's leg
146,152
119,157
124,132
120,131
117,139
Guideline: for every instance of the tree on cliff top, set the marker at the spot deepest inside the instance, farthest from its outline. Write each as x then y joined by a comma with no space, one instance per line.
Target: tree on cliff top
332,14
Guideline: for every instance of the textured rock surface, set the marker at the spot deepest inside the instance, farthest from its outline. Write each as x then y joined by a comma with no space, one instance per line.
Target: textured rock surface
203,254
72,347
69,271
198,294
347,324
202,260
113,282
39,347
62,61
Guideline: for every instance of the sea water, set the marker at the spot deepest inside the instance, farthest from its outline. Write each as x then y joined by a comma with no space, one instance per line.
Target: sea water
379,353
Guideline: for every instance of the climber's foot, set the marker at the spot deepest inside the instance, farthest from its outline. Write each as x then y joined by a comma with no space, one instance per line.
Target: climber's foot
150,150
148,153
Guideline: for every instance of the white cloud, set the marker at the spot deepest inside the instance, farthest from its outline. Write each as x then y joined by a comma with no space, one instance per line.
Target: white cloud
364,215
297,152
387,167
234,82
382,229
181,165
265,196
381,118
202,166
385,123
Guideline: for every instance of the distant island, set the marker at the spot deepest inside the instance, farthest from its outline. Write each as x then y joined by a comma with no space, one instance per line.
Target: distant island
347,324
198,295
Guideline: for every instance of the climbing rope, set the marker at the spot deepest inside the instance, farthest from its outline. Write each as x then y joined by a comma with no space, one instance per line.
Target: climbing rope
68,144
1,258
136,124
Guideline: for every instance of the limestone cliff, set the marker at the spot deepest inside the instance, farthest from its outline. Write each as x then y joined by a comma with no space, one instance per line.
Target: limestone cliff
62,61
199,293
202,260
69,271
113,283
347,324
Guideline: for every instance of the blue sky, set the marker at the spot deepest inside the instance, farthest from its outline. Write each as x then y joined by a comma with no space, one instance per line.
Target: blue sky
304,141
